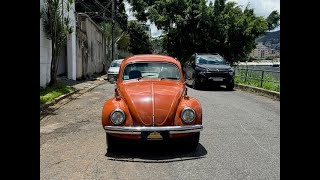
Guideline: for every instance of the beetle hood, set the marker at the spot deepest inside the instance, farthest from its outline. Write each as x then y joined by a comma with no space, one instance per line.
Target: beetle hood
152,102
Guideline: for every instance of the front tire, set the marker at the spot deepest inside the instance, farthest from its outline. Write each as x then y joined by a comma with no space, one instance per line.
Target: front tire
194,141
190,143
111,142
196,84
230,86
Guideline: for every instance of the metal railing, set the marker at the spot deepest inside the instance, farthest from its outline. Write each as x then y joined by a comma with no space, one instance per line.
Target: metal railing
259,75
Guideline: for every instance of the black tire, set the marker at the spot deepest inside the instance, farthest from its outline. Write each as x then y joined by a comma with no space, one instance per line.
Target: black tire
190,143
196,84
111,142
194,141
112,81
230,86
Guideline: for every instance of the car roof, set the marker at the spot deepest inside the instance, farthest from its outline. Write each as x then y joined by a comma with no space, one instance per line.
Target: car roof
150,57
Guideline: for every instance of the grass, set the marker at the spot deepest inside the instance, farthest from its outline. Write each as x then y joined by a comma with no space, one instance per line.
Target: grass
256,82
50,93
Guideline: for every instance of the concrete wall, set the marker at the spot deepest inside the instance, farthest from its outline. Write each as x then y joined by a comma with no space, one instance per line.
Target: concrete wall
90,48
45,56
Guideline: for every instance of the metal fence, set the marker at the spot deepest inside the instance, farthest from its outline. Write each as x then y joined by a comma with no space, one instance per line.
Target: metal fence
258,74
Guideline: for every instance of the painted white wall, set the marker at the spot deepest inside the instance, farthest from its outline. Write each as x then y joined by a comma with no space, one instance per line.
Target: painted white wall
71,46
45,52
45,55
91,34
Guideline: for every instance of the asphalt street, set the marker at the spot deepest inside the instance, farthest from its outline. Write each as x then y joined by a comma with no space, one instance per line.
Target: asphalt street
240,140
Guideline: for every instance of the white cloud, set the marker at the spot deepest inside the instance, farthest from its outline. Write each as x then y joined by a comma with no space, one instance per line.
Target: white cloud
261,7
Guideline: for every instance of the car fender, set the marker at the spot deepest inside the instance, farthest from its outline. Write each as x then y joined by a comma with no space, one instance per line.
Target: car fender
192,103
111,105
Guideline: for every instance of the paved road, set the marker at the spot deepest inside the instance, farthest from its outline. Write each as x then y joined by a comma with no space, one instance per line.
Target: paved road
240,140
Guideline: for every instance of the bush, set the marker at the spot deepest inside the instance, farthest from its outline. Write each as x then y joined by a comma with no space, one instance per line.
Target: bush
254,79
50,93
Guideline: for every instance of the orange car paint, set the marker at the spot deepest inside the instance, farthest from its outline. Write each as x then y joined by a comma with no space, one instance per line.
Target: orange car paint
141,99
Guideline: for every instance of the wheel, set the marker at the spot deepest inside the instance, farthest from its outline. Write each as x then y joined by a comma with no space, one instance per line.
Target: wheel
195,84
230,86
112,81
190,143
111,142
194,141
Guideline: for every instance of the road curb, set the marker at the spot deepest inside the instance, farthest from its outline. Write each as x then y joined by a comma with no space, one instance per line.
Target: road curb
271,94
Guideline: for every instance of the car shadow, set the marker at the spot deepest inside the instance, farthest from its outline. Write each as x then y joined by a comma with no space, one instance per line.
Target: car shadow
155,153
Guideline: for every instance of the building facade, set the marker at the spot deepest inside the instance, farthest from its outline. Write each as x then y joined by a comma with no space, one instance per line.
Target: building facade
260,52
84,53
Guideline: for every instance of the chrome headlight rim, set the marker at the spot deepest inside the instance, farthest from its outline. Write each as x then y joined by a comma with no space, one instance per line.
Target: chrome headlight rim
184,110
117,110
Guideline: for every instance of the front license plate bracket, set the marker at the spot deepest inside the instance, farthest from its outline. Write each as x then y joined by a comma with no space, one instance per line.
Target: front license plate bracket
155,135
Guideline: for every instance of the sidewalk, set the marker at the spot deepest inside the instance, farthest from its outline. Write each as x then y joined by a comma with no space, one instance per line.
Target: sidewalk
81,87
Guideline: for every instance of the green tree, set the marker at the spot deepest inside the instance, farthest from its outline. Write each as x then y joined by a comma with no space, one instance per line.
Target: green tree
57,28
157,45
100,10
273,20
139,40
195,26
107,31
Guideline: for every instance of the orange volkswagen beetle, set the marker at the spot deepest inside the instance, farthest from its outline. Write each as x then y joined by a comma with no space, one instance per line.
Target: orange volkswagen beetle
151,103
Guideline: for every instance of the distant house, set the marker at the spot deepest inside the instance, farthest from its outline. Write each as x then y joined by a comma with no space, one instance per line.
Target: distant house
260,52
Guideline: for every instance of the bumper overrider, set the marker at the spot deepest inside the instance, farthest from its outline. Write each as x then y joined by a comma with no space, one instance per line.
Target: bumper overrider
140,129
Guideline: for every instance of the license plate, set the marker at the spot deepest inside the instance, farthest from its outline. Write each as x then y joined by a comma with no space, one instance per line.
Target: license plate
154,136
216,78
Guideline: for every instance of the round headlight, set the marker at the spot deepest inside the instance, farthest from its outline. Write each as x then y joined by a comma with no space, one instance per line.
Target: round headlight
117,116
188,115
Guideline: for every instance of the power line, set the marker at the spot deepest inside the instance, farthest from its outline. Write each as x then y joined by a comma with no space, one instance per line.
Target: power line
102,8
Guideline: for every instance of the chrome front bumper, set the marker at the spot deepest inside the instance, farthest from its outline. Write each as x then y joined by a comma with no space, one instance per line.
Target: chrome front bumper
138,130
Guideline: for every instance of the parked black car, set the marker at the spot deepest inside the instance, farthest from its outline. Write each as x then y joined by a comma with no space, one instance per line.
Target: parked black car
208,69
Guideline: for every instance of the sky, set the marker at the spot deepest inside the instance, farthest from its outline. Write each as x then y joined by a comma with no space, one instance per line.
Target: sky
261,8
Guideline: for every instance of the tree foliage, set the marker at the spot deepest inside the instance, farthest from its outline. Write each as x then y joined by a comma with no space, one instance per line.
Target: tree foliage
273,20
139,42
57,28
100,11
157,45
194,26
107,31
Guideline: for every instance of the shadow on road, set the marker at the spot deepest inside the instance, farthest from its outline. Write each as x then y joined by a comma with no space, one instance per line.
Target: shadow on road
70,82
155,153
213,88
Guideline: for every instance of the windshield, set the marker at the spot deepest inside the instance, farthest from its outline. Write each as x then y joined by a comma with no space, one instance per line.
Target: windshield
161,70
210,59
115,63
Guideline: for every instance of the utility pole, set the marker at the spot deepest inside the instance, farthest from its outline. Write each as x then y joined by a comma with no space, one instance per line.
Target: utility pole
112,34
